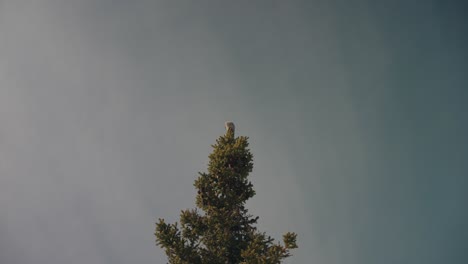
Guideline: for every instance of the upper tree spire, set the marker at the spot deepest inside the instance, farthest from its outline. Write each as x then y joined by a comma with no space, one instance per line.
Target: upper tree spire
224,233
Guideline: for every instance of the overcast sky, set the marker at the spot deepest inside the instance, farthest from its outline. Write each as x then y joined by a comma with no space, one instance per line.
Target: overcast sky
356,113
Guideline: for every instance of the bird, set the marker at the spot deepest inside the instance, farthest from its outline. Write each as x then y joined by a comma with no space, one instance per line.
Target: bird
229,127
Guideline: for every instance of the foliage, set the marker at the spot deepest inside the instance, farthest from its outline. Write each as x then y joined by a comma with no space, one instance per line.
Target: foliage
224,232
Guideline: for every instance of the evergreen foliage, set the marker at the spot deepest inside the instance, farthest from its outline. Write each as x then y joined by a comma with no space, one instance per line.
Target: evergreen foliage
224,233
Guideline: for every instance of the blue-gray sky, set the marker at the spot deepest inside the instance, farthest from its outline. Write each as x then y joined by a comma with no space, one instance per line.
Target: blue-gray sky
356,113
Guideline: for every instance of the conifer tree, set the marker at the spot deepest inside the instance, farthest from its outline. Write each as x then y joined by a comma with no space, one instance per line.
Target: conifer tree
224,233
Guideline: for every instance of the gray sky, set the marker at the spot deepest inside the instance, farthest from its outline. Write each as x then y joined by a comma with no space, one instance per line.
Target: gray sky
356,113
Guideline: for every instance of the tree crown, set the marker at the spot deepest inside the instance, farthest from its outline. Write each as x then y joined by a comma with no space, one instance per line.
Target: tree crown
224,232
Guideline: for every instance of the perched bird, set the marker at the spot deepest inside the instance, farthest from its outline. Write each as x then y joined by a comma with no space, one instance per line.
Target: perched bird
229,127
